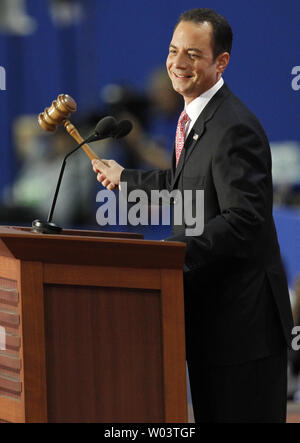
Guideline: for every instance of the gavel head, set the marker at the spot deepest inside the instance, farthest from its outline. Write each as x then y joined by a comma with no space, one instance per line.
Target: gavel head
58,113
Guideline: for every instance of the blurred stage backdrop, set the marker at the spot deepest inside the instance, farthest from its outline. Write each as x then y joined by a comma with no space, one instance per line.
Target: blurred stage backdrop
108,55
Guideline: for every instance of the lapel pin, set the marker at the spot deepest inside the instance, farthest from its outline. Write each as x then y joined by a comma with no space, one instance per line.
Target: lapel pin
196,136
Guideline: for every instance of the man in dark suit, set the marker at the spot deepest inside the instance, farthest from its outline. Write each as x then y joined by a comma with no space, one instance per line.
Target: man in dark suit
237,308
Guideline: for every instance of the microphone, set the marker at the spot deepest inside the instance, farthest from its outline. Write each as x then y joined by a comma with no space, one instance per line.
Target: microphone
108,127
105,128
123,129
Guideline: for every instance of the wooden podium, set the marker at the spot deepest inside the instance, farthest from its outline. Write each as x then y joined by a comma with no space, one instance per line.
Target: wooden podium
91,328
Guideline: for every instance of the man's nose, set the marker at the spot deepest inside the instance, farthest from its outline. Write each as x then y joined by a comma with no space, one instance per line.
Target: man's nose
180,61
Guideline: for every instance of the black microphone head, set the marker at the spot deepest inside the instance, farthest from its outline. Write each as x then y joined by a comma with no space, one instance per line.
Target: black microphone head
123,129
106,127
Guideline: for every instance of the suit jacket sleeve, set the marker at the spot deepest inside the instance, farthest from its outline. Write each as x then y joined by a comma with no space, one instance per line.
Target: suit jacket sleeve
147,180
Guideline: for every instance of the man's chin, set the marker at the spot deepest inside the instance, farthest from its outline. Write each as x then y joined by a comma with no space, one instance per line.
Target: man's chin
180,90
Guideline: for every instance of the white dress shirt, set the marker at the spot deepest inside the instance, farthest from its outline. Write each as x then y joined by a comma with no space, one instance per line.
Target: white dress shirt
195,108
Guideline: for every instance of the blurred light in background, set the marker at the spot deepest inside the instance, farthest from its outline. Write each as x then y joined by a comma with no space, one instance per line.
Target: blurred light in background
14,18
66,12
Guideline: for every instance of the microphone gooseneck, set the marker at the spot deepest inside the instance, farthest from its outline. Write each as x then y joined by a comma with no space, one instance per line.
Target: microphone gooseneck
48,227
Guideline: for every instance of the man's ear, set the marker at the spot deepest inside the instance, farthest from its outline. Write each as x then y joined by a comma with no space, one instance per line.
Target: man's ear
222,62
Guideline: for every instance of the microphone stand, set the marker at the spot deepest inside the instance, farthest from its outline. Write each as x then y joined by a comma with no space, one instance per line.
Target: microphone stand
107,127
48,227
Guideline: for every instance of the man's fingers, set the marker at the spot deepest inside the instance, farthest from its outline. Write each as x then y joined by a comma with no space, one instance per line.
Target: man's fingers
106,182
99,165
101,177
108,172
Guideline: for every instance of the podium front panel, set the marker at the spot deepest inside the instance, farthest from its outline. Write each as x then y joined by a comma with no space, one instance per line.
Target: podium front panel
93,328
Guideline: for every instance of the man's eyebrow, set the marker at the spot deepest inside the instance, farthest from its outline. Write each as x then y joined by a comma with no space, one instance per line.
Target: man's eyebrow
196,50
189,49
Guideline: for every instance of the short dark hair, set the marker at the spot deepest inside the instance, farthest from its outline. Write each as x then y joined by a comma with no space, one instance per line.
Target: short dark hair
222,32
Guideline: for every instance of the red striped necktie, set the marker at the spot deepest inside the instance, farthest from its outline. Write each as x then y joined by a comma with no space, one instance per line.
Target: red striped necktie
180,134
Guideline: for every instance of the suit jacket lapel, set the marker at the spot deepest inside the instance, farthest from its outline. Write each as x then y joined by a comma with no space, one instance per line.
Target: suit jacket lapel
189,145
198,129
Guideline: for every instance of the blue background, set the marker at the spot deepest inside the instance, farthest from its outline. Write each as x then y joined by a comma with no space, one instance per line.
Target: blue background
124,40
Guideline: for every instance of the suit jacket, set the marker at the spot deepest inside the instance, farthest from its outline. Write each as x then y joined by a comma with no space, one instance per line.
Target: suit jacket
236,296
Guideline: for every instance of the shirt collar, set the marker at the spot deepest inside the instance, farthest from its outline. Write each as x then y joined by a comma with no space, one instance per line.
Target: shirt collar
195,108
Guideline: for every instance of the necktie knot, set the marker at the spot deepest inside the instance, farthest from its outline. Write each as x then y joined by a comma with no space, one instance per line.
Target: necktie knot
180,134
184,118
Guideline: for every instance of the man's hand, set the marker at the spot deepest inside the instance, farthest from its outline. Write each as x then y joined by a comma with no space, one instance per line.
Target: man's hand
108,173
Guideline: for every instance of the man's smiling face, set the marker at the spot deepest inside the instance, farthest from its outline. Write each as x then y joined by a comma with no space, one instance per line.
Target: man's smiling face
191,65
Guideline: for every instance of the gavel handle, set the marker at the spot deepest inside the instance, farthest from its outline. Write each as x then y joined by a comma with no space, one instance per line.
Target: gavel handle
75,134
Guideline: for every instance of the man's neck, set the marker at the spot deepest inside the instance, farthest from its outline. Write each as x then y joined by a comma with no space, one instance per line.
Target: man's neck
212,90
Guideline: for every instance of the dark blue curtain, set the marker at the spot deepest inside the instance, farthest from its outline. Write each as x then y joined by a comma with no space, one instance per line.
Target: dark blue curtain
120,40
124,40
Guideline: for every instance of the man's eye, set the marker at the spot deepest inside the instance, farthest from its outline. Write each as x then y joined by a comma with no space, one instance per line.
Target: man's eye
193,55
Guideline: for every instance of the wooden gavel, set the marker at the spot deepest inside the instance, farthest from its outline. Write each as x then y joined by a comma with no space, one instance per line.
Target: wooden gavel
59,113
